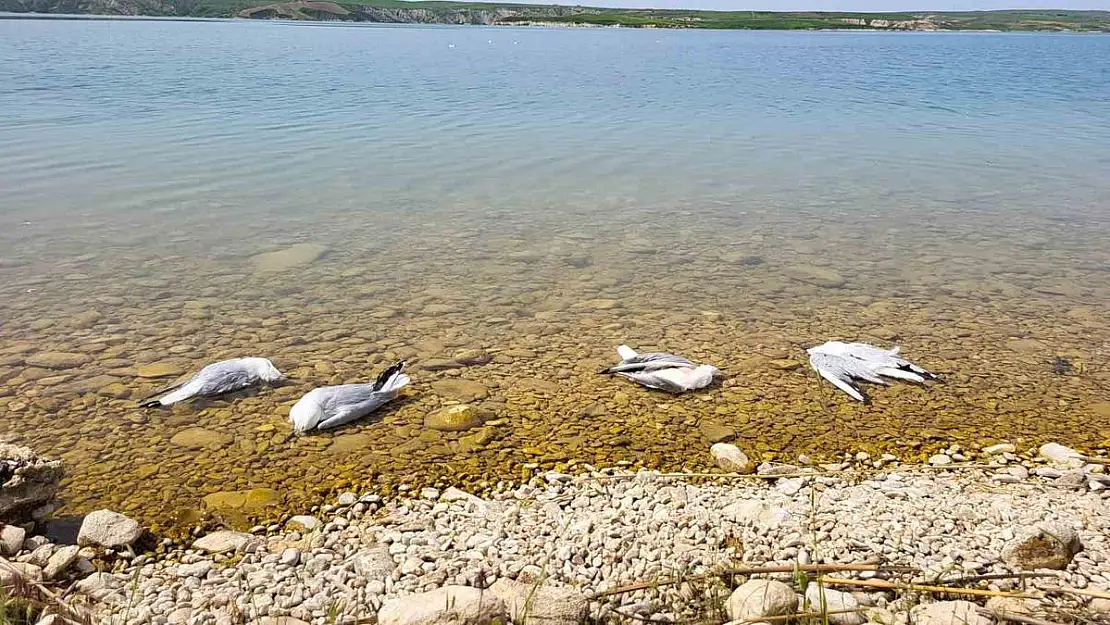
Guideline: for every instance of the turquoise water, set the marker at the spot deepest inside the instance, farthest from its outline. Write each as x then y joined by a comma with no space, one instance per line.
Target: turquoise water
543,195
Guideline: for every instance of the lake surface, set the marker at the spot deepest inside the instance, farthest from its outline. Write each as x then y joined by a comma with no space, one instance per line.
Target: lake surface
541,196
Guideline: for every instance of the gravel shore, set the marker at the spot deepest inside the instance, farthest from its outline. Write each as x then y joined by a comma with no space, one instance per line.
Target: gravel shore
566,541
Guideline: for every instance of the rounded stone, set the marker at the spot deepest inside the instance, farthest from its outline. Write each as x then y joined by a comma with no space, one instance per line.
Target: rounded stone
455,418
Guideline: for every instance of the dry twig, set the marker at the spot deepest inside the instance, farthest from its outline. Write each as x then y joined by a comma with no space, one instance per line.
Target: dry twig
880,583
757,570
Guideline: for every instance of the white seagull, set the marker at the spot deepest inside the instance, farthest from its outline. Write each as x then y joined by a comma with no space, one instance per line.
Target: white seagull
332,406
843,363
221,377
665,372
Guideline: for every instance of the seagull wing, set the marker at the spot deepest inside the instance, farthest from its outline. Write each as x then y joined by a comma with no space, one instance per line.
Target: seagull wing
842,372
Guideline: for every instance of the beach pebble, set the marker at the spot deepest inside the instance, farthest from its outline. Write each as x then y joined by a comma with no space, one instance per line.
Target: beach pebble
947,613
223,540
759,598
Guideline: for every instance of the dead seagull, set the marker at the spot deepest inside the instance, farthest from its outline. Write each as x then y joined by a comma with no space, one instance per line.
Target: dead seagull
665,372
843,363
221,377
332,406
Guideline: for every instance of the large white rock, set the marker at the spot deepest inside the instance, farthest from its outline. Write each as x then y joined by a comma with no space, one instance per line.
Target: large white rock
11,539
528,604
450,605
1061,456
948,613
760,598
756,513
223,540
104,528
730,458
829,600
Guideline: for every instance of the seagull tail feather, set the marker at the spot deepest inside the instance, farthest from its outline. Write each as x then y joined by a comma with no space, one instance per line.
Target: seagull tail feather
392,379
626,352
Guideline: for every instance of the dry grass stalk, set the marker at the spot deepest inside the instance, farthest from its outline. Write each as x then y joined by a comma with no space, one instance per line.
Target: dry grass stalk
879,583
1076,591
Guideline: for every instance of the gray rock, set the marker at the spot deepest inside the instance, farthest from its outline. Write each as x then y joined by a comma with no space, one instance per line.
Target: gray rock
111,530
290,557
730,458
373,563
947,613
449,605
829,600
99,585
221,541
1049,546
528,604
62,559
1001,448
11,539
302,523
940,460
347,499
32,482
1063,457
760,598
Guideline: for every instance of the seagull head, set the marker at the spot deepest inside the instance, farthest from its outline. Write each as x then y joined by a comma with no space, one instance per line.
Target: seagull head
264,369
307,413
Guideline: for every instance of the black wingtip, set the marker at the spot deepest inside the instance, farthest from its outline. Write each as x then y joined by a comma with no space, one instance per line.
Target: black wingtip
387,374
153,403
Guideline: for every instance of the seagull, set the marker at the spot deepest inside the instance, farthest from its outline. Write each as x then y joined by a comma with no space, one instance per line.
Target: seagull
332,406
219,378
665,372
843,363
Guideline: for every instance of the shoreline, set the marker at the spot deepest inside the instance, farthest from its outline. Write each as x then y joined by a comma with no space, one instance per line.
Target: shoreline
541,23
621,547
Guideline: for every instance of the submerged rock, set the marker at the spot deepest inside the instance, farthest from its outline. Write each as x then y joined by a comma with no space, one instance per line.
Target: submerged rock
243,503
199,438
819,276
455,418
58,360
460,390
27,482
288,258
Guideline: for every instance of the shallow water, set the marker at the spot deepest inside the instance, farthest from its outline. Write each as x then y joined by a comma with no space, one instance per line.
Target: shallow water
542,195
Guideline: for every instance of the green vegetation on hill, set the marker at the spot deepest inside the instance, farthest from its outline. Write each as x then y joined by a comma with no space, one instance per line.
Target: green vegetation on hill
441,12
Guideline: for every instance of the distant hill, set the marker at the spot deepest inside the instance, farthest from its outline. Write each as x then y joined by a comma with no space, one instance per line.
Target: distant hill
434,12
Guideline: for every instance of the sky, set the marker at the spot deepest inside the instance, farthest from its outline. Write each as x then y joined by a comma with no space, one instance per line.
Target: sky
842,5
